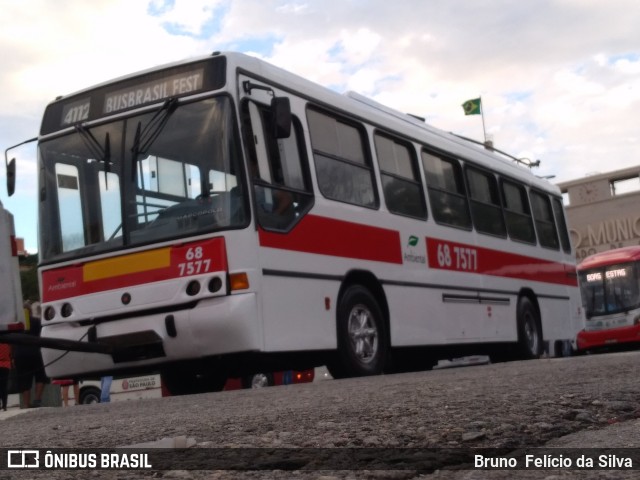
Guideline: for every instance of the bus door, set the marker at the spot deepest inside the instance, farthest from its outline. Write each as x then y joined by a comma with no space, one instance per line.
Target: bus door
282,197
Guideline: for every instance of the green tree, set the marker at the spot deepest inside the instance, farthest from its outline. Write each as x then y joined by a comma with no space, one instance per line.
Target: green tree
29,278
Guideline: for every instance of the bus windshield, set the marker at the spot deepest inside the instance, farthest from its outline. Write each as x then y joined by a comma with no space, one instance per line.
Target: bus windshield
609,290
167,173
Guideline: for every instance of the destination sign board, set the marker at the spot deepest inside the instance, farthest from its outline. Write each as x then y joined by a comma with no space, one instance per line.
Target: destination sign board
136,91
609,275
151,92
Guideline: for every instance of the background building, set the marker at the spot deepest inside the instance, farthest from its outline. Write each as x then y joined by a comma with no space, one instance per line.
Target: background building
603,211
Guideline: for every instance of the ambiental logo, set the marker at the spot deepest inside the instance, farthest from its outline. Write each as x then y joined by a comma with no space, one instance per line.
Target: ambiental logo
410,256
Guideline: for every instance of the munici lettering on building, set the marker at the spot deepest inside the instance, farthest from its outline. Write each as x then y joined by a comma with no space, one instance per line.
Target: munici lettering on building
607,234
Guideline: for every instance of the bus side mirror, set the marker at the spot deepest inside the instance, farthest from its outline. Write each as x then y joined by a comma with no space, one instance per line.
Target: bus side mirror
281,111
11,176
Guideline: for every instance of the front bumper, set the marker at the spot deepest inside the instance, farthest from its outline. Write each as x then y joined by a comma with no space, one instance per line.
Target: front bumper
612,336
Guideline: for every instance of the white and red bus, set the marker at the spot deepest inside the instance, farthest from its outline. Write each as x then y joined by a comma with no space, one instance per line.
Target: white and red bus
216,216
610,285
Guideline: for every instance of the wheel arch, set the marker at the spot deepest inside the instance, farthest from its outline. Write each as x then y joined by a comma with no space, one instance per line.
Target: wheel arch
368,280
87,390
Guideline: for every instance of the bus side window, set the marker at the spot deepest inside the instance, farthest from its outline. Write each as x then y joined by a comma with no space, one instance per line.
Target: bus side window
403,191
543,217
486,210
561,222
342,165
518,212
446,191
278,170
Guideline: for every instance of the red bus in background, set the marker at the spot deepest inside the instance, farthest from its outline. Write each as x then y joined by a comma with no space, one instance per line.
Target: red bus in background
610,287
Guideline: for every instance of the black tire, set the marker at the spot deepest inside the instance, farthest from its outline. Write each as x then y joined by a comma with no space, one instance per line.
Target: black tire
258,380
363,343
188,379
529,330
89,395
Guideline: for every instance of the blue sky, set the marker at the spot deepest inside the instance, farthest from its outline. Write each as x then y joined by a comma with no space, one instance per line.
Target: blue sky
559,79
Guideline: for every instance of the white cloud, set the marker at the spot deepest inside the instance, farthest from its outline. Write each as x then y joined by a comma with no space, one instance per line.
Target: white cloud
560,79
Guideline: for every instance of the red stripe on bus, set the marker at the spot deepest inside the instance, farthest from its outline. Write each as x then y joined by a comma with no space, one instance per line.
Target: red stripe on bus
337,238
186,260
446,255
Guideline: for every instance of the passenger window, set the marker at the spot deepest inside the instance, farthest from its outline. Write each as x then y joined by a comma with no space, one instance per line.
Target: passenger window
342,167
278,170
71,204
446,191
400,178
543,217
486,210
558,210
518,213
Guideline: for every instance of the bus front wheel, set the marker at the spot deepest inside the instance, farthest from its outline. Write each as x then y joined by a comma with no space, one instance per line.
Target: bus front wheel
529,330
362,338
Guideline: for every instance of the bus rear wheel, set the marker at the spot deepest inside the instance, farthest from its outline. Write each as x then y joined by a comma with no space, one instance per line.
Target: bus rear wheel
362,338
258,380
529,330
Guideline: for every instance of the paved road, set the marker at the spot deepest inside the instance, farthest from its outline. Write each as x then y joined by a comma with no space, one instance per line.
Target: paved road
423,425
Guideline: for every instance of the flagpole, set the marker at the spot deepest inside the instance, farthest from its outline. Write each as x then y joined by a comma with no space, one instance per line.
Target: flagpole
484,130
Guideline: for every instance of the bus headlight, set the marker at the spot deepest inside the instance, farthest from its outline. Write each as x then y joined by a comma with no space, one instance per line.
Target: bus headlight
215,284
193,288
49,313
66,310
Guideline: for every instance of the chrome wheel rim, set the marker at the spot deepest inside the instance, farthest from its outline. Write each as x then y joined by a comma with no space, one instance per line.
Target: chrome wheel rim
363,334
259,380
531,333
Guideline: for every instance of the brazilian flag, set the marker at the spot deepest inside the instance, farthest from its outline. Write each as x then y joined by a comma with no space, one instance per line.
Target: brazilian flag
472,107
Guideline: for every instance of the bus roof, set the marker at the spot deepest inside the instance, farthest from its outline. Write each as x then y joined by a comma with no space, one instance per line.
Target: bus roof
611,257
354,104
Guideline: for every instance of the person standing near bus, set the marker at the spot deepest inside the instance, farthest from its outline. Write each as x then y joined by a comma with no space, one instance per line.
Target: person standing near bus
105,389
29,366
5,368
64,385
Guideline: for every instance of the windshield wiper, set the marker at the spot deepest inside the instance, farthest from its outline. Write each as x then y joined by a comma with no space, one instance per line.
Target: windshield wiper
145,137
99,152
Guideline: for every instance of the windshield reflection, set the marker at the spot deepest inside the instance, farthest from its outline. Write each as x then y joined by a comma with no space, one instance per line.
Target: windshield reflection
108,186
